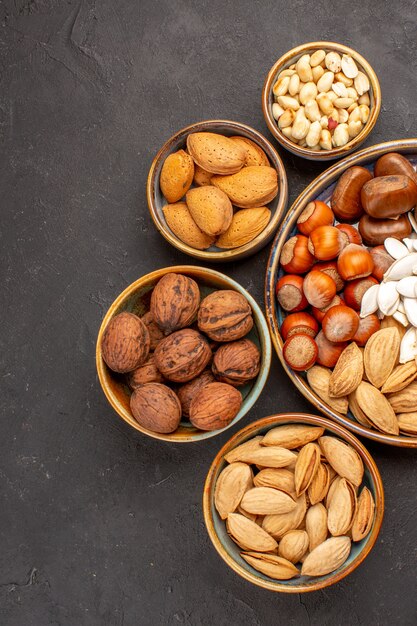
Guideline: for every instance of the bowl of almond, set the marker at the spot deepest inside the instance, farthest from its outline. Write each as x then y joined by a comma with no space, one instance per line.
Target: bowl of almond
321,100
217,190
293,503
341,293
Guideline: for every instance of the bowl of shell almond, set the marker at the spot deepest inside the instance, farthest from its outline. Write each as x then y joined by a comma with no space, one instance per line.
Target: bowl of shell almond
293,503
183,353
217,190
321,100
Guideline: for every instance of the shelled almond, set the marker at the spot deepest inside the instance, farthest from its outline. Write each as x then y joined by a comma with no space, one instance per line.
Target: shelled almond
299,519
323,102
233,183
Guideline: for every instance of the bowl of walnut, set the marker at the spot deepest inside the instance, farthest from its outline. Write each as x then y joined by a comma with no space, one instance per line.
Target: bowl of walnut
183,353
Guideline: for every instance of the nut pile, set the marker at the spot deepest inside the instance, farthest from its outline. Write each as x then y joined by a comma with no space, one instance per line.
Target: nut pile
364,357
321,101
228,173
185,357
294,500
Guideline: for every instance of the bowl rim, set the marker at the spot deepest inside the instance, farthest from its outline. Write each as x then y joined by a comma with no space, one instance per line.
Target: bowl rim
405,146
353,143
264,339
260,240
276,420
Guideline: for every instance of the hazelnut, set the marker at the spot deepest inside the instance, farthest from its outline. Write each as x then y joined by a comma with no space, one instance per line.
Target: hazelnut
174,302
225,315
156,407
236,363
125,343
187,392
183,355
215,406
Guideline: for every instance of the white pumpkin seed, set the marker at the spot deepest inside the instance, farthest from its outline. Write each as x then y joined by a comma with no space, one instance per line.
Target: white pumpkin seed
388,298
408,348
395,248
401,268
410,305
401,317
369,302
407,287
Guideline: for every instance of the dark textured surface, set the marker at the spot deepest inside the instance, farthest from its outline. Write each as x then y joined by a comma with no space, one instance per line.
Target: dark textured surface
99,525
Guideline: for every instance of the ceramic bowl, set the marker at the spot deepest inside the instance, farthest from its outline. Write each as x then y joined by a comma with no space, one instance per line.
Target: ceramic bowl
291,57
136,299
230,552
156,201
321,189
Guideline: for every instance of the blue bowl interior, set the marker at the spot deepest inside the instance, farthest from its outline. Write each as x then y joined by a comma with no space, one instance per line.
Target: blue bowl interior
234,551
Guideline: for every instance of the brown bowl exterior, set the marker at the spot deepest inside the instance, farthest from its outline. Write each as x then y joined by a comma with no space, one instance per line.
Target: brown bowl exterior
364,157
267,99
213,525
136,298
277,206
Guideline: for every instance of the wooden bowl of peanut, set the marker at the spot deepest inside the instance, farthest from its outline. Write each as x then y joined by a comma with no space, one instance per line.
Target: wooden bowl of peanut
321,100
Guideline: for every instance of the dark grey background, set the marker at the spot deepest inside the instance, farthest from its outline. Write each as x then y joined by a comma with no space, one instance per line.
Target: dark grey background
100,525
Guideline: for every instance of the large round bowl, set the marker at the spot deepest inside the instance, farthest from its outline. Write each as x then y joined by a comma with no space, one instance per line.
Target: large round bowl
291,57
136,299
230,552
156,201
321,188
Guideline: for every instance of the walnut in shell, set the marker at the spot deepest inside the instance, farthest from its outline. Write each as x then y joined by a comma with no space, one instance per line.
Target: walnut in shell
215,406
156,407
187,392
125,343
145,373
155,333
174,302
183,355
237,362
225,315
